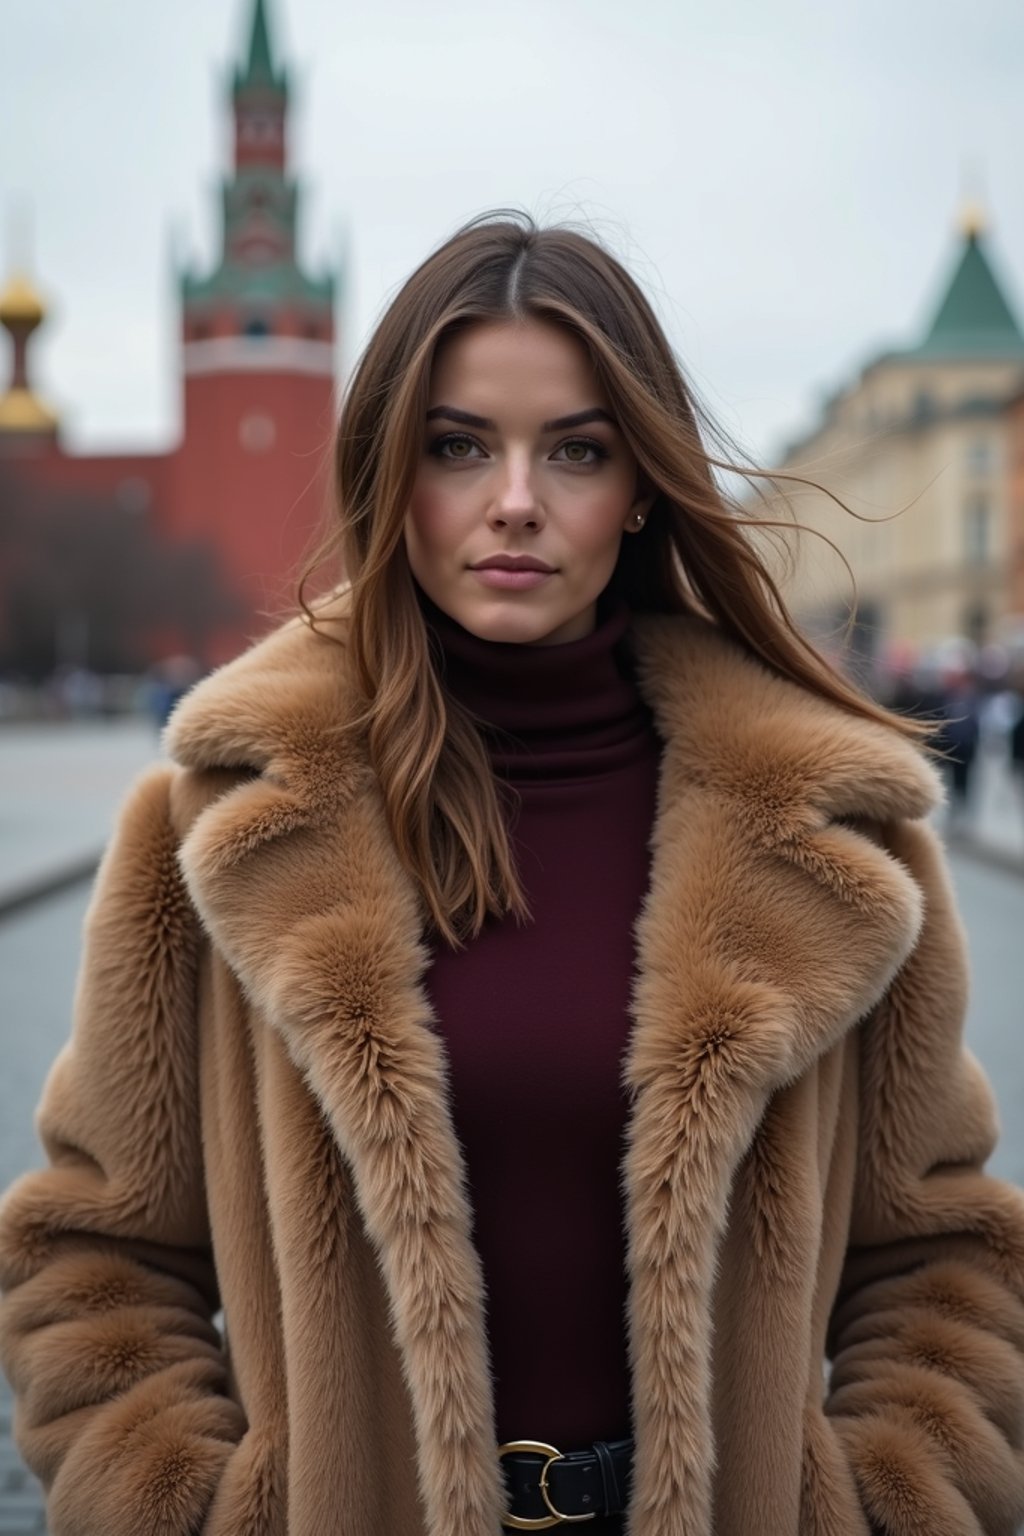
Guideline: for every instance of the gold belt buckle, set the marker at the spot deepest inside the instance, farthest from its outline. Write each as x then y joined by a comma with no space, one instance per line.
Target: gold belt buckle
542,1523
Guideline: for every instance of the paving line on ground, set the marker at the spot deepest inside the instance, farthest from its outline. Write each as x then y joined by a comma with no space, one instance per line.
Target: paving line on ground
985,853
53,883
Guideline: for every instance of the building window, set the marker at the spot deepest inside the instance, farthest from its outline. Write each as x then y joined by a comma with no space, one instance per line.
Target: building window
923,408
977,529
976,623
979,456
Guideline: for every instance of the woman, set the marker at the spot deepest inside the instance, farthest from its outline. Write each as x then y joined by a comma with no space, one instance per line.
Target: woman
530,1006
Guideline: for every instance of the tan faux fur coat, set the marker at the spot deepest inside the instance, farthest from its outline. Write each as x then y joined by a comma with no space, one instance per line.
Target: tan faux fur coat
253,1114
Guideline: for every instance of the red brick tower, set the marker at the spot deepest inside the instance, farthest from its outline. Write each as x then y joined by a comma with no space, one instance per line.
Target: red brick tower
257,367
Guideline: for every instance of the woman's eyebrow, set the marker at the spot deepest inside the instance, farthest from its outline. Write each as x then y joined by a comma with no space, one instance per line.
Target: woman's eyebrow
465,418
579,419
484,423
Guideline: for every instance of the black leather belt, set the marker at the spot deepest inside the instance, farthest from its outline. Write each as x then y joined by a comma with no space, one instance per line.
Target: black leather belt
548,1487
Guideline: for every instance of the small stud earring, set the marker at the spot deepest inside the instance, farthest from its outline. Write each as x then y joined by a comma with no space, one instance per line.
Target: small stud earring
639,519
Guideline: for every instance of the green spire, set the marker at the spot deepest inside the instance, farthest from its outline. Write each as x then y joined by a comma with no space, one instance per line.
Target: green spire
259,70
974,318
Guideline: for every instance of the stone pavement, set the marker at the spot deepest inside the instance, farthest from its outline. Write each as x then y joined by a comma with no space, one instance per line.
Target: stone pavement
60,785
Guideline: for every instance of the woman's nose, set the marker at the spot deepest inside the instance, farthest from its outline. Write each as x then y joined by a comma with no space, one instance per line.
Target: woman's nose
517,497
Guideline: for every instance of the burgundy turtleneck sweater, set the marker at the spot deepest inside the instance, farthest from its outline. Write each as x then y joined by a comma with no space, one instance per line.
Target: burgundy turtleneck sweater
535,1020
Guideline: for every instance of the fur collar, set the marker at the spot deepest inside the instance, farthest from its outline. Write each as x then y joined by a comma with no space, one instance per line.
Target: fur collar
739,726
774,920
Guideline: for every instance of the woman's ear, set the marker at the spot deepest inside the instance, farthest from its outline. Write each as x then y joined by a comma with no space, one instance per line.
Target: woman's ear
643,501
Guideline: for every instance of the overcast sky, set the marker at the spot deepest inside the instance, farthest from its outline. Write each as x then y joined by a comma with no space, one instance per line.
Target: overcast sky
783,175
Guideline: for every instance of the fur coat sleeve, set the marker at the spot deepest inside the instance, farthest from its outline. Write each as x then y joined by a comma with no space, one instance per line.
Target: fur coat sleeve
107,1333
927,1335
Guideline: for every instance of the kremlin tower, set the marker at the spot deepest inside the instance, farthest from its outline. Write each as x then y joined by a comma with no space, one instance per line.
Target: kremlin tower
257,358
214,531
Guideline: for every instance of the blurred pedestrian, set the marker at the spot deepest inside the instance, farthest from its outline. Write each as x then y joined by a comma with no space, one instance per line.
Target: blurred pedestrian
530,1005
77,692
169,680
958,736
909,685
1015,742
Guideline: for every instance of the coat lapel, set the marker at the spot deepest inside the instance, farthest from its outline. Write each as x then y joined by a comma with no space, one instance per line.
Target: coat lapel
770,926
297,881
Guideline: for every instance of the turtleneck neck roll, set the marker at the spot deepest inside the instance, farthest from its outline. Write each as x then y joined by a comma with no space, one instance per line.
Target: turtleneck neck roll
549,711
535,1019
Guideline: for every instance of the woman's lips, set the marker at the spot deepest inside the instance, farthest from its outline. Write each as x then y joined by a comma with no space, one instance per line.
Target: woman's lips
512,581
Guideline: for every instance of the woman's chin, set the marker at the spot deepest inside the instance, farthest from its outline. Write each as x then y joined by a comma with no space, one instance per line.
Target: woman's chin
508,631
525,628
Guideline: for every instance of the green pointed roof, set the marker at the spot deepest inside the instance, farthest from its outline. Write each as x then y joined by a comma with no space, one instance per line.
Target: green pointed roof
974,318
259,71
236,280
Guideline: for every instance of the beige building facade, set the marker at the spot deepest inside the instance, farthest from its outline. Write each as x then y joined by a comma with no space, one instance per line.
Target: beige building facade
1015,549
925,448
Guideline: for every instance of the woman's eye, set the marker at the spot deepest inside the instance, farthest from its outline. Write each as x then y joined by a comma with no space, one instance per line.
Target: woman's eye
454,446
582,451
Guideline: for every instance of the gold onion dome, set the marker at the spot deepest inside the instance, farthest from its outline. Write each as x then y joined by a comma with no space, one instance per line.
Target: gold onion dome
20,304
21,311
22,411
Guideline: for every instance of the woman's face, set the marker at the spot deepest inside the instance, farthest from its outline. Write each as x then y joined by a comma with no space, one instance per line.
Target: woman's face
521,457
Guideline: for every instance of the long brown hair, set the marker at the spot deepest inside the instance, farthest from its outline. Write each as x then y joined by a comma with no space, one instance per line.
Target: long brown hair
698,552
